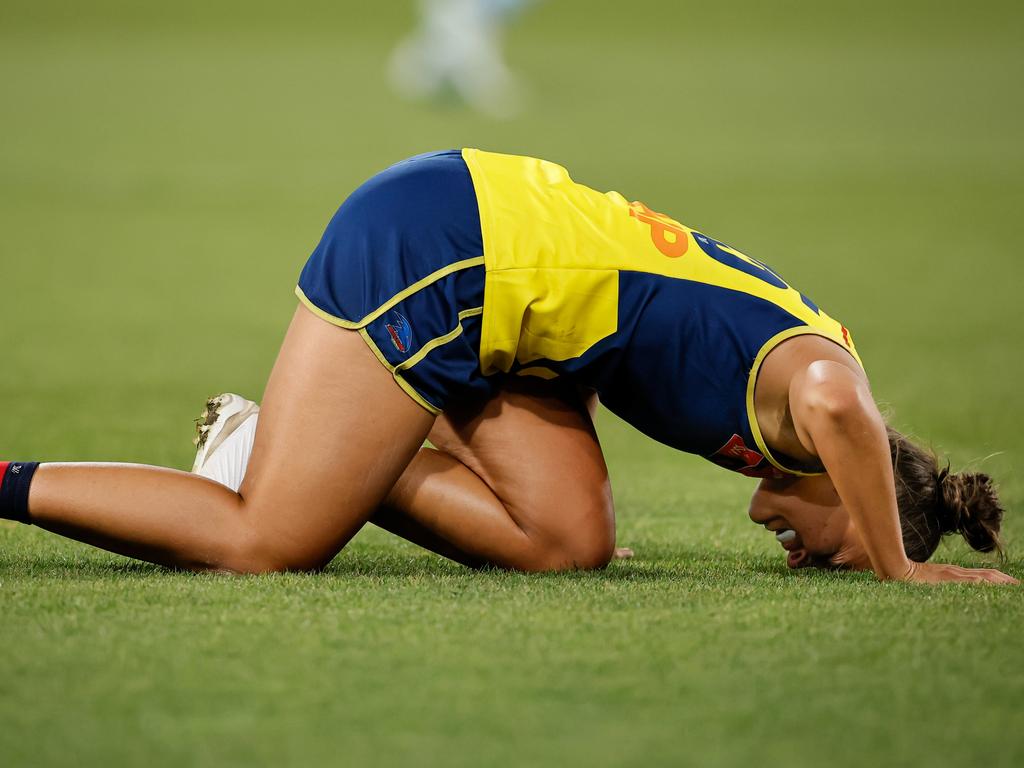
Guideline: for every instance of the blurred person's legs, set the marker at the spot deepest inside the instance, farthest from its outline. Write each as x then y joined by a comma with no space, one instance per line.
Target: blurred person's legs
457,49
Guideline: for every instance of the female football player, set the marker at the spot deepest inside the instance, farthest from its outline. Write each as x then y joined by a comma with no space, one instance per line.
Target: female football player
479,299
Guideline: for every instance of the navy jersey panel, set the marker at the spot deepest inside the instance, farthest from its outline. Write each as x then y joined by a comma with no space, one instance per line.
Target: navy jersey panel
678,367
402,226
682,374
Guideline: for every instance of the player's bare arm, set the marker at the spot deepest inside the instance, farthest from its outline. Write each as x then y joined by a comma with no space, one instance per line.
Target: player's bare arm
818,406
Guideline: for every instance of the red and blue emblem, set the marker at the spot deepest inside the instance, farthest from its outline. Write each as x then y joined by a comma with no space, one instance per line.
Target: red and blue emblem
735,455
400,331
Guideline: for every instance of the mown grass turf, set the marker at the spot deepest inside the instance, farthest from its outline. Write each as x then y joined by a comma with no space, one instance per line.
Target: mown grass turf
163,175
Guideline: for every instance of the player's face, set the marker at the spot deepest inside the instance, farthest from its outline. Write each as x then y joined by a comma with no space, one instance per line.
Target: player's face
809,521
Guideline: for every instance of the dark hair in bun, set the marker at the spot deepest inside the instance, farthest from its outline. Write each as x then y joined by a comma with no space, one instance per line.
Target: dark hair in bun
934,502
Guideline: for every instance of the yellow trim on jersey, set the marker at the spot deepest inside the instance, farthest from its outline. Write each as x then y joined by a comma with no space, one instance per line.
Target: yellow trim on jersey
539,371
768,346
438,341
398,298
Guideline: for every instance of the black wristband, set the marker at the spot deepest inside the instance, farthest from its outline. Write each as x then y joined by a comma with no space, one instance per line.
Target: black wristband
14,490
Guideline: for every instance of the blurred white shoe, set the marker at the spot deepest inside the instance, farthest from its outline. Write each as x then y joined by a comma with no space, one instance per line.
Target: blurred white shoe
225,433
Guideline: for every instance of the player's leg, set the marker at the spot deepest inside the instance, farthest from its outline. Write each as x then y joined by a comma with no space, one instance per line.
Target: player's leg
321,464
517,481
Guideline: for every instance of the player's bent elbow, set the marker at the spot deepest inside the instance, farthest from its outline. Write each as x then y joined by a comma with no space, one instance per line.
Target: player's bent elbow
841,407
838,399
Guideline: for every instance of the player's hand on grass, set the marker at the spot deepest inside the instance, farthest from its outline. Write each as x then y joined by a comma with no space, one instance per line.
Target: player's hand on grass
937,573
622,553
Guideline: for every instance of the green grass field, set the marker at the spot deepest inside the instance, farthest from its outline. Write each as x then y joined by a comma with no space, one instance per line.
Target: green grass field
165,171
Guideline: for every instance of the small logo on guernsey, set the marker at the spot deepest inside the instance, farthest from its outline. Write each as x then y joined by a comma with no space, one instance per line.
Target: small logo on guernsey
400,331
736,456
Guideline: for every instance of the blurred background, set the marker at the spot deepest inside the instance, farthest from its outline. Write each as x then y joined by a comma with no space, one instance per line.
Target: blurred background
166,168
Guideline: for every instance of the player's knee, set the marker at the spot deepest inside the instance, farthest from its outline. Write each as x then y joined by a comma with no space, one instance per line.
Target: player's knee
593,545
253,551
585,553
599,554
589,546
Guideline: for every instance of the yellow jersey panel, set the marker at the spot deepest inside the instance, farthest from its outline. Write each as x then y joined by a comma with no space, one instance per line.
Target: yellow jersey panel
573,241
548,313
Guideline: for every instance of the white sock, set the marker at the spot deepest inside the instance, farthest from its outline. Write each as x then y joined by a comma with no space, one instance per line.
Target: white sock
228,463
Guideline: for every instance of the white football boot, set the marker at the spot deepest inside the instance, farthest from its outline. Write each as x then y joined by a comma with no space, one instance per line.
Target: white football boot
224,436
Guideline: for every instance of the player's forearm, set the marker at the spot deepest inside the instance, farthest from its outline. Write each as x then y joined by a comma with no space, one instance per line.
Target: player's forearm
852,444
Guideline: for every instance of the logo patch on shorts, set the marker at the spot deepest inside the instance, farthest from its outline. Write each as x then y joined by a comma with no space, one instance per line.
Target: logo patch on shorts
400,331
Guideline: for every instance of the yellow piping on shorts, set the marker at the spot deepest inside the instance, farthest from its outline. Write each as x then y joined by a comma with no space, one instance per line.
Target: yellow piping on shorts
439,341
399,297
410,390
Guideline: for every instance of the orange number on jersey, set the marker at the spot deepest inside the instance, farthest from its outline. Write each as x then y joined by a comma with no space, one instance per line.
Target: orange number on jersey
668,237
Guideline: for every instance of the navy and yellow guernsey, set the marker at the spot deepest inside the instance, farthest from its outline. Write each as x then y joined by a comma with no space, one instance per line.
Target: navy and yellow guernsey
667,324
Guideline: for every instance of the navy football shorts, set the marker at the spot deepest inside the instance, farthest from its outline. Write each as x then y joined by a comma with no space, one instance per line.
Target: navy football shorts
401,263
